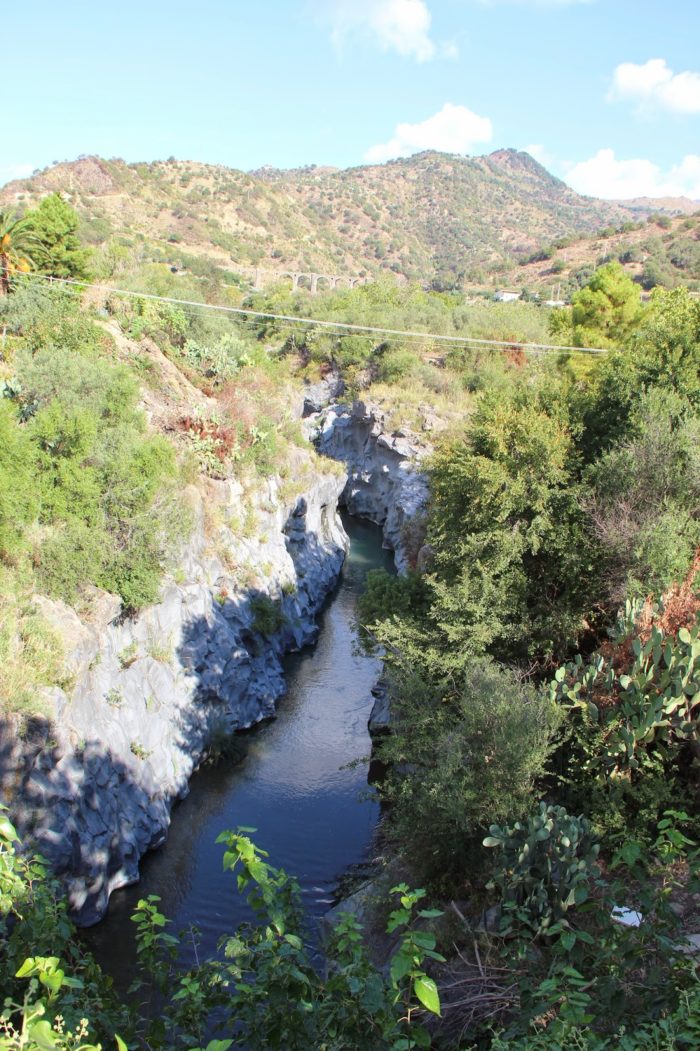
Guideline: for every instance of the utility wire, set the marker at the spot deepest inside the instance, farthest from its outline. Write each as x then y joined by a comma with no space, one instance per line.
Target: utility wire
346,327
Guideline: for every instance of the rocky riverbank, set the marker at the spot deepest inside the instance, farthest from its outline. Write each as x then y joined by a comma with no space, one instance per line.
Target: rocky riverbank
385,483
91,785
144,699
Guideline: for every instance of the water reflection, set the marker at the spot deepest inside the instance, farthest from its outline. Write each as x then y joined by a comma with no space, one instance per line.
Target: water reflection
294,786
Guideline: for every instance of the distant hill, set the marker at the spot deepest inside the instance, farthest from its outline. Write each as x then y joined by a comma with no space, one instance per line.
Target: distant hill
434,217
666,205
658,250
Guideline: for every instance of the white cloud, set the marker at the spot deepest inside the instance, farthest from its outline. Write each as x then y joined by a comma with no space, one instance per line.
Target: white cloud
8,172
394,25
534,3
606,176
653,84
454,129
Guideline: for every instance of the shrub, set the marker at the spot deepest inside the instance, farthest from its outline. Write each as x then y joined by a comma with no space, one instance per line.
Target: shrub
18,497
474,753
546,865
81,462
49,319
219,360
396,363
643,495
268,616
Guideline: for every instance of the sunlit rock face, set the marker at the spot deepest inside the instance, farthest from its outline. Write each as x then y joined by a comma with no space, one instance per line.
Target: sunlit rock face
91,786
385,482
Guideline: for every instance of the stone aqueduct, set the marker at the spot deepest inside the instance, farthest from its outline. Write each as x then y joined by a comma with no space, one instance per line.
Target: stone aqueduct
300,279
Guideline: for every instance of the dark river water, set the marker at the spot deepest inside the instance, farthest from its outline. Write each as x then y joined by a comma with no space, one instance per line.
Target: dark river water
312,811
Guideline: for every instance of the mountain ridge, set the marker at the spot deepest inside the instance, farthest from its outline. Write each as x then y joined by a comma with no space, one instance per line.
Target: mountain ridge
442,219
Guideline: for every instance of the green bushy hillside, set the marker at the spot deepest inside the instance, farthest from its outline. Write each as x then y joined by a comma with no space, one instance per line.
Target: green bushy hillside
434,217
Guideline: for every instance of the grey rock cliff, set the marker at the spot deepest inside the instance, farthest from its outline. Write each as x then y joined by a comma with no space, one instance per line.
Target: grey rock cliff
385,482
91,785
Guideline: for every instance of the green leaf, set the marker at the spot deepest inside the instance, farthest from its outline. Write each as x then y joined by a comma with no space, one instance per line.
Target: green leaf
427,992
42,1036
73,983
631,852
121,1046
7,829
26,969
568,940
491,841
423,939
400,966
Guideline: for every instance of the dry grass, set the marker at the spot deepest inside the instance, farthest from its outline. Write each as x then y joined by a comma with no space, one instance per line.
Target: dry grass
31,655
412,405
680,606
474,989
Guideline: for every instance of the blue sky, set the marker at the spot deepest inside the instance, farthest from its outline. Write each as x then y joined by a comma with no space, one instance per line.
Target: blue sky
606,93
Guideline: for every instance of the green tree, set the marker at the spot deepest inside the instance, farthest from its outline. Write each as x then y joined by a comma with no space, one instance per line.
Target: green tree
667,344
54,224
506,530
607,309
663,352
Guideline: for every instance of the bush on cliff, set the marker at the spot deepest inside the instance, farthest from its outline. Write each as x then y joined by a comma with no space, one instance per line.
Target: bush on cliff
84,489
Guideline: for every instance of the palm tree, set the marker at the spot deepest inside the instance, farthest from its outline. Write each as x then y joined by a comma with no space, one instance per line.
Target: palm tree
18,244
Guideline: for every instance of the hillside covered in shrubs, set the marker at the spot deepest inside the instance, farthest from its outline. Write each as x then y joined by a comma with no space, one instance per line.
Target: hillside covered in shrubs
543,660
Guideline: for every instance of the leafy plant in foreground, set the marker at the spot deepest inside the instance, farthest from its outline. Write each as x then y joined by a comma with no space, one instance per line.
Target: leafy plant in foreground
546,865
264,993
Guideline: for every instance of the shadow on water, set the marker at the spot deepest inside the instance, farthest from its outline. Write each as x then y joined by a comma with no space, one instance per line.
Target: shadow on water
311,809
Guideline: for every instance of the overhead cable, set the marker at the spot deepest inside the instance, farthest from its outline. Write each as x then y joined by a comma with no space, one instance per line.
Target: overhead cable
346,327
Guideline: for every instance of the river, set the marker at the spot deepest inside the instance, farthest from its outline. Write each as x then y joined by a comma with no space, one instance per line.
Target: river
312,811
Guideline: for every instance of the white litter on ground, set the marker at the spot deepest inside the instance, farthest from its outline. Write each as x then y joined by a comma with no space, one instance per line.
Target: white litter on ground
627,917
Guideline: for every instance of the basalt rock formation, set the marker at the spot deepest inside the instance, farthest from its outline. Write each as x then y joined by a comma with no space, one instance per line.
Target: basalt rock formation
385,483
92,784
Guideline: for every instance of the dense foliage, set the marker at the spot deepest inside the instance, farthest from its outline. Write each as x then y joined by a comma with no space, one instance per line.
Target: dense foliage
78,466
559,501
542,763
54,224
261,992
42,239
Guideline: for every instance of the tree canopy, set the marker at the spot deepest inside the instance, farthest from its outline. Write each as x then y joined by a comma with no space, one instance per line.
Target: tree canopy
54,224
607,309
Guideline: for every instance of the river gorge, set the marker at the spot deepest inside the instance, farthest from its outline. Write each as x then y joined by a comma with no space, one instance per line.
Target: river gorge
298,785
92,785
